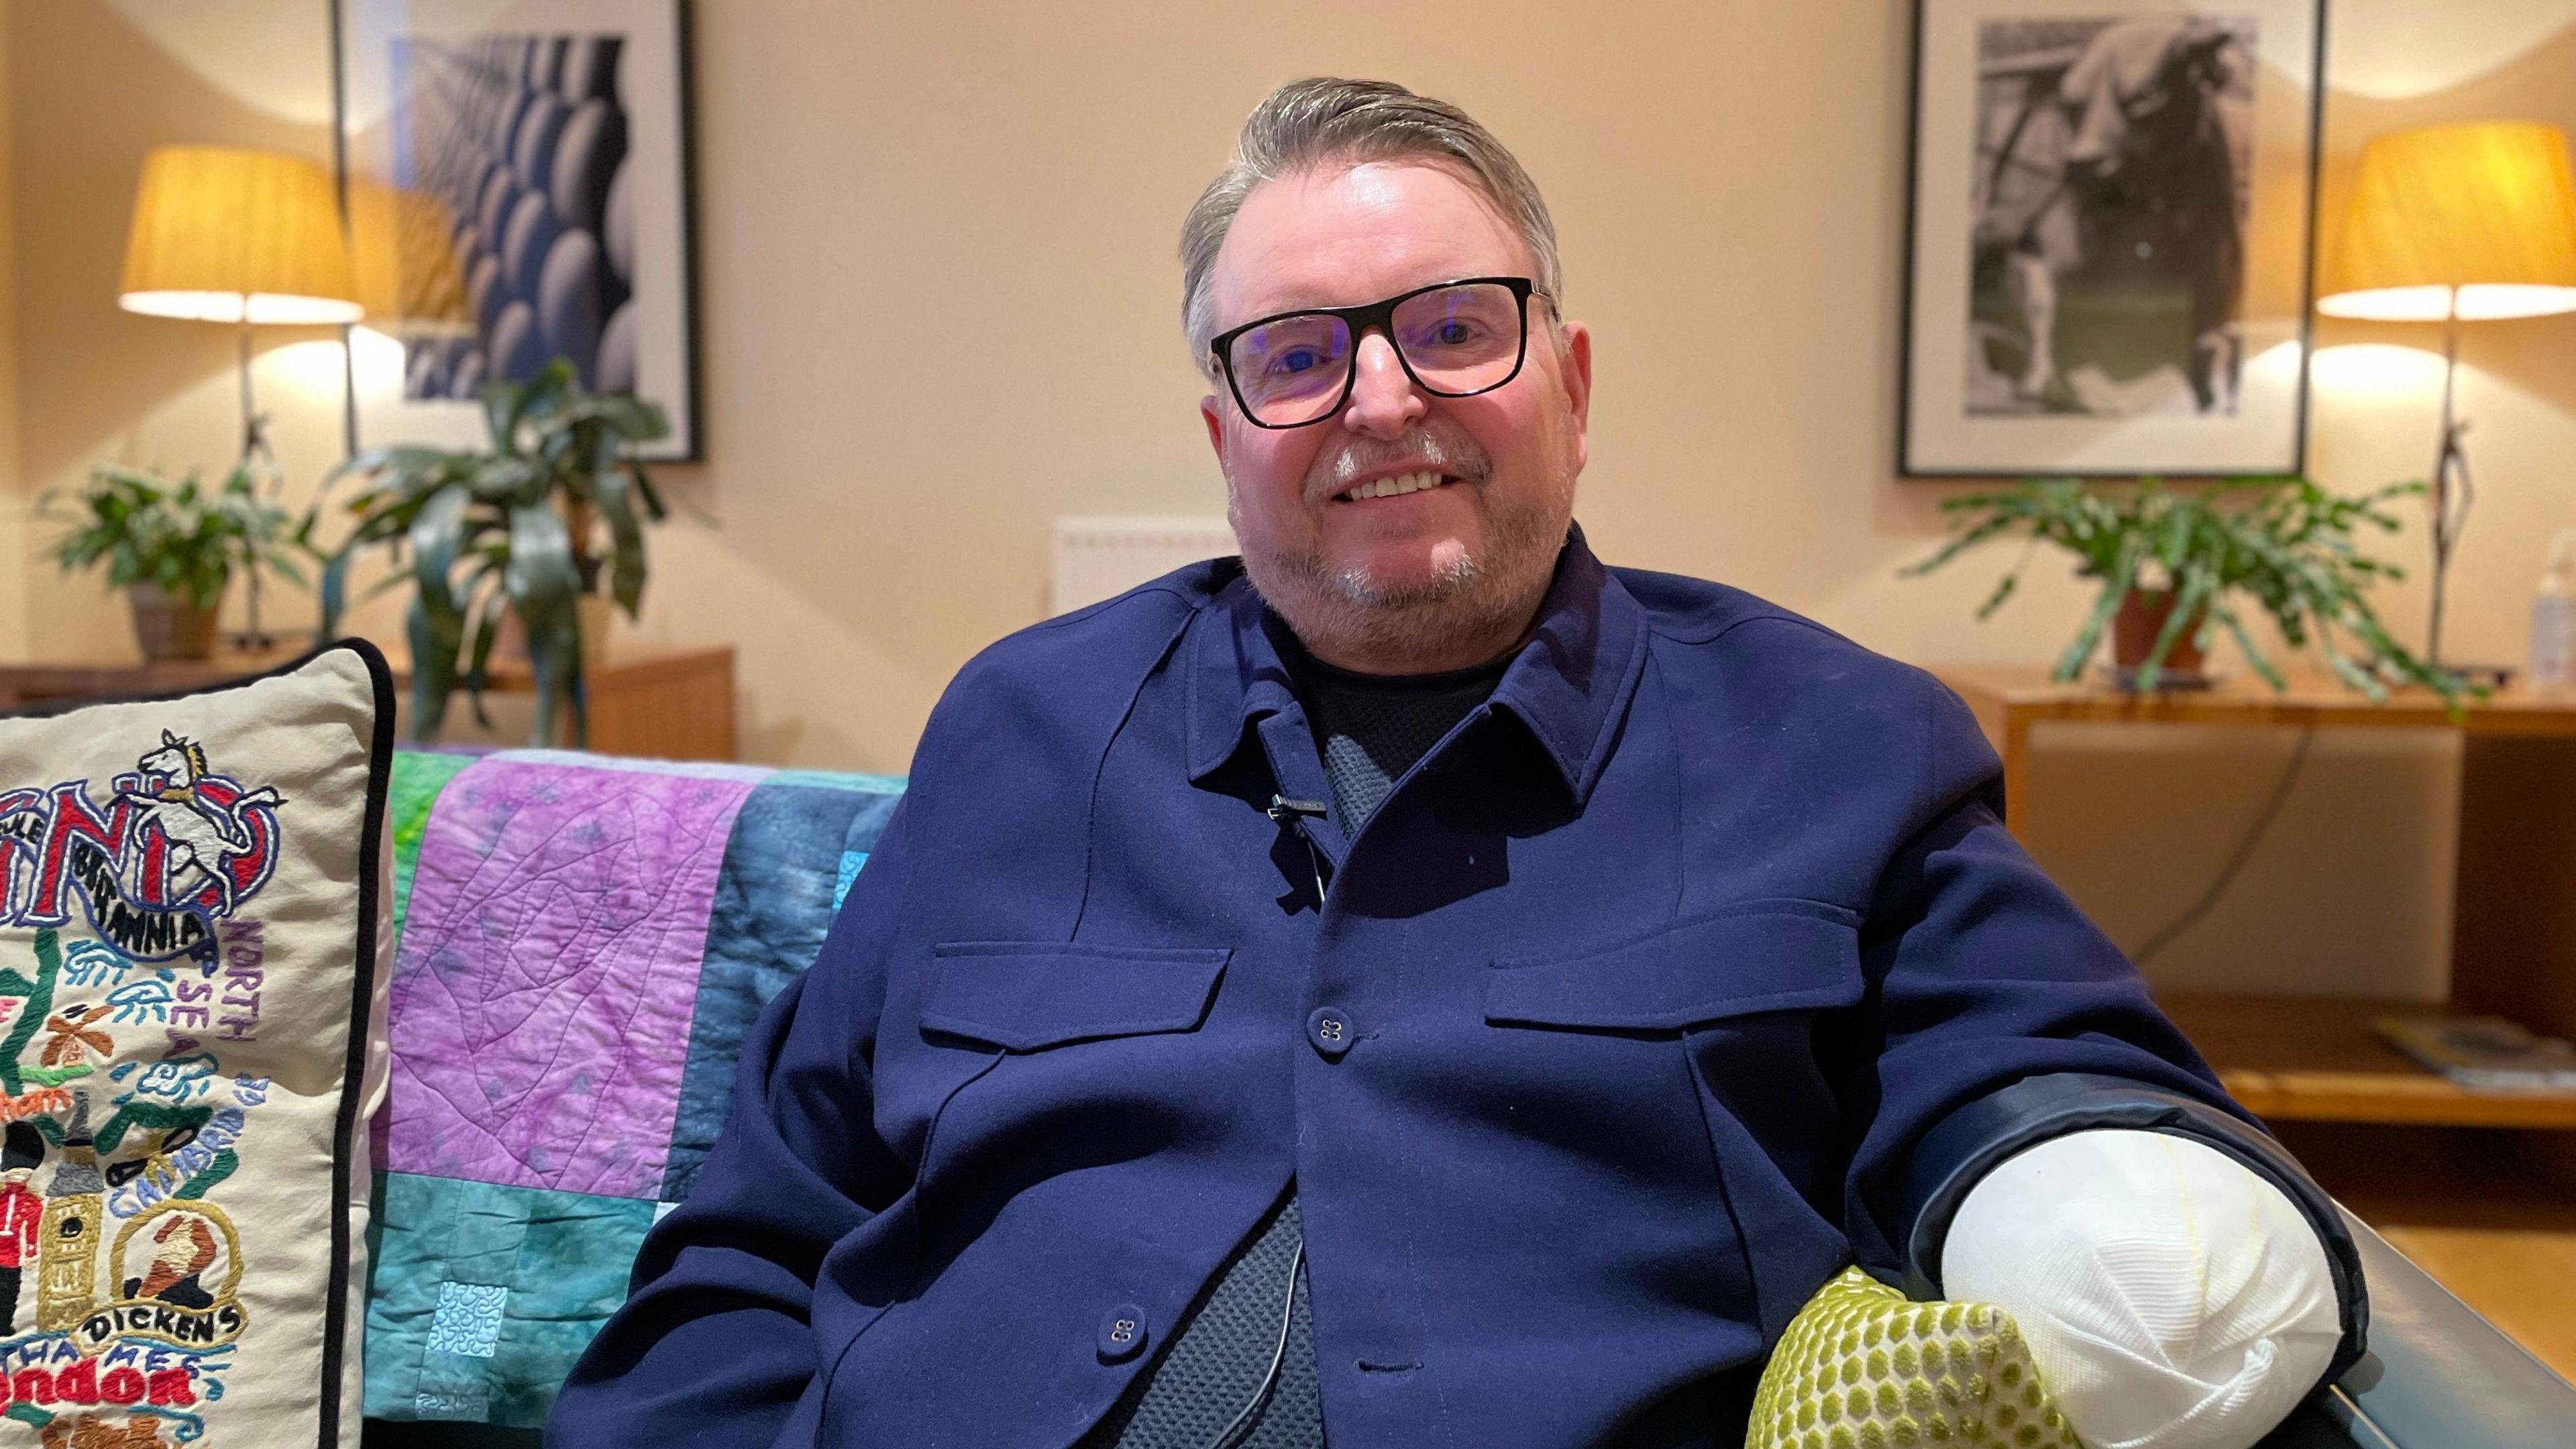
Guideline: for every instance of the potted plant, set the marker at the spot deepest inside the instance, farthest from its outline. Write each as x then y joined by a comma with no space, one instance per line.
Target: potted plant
2173,566
552,514
173,547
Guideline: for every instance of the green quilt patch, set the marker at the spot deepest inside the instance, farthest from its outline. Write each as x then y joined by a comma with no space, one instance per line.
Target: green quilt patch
418,777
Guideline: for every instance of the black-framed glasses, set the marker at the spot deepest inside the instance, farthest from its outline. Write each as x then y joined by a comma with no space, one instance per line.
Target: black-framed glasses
1454,339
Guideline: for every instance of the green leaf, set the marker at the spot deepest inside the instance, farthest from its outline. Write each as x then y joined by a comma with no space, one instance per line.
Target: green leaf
334,592
2124,572
502,400
2196,588
644,489
433,637
626,535
543,584
509,480
487,627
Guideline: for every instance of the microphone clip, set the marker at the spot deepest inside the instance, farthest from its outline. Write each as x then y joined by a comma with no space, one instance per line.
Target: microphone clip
1285,811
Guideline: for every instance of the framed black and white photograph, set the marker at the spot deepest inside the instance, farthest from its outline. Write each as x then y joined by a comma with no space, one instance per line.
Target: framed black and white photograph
2108,248
518,187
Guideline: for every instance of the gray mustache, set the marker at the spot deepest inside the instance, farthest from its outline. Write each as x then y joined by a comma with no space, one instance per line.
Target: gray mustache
1457,456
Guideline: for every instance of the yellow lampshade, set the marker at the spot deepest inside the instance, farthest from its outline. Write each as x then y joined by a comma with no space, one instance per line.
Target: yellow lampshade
222,235
2483,212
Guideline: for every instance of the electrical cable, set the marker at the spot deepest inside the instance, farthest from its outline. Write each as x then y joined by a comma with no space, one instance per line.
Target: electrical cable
1225,1438
2235,862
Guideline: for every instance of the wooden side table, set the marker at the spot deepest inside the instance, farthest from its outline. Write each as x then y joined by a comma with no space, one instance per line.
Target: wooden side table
2513,944
672,704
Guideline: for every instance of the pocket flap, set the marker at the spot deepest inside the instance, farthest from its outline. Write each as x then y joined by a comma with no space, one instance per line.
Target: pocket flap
1023,995
1760,956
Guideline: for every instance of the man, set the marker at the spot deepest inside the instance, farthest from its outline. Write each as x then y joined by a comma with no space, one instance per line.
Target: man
1416,986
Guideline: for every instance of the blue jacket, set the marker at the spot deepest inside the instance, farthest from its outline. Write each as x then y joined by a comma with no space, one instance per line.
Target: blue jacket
1651,979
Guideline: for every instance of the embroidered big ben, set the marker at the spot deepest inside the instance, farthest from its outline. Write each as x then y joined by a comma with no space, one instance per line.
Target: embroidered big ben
67,1238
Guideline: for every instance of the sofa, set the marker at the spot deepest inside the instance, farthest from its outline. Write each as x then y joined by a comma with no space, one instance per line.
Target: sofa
582,942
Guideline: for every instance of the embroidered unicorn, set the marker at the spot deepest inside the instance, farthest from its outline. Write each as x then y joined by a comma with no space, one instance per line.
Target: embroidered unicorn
202,834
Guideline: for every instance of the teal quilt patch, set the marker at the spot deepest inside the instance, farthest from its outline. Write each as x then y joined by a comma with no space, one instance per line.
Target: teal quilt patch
468,1320
484,1295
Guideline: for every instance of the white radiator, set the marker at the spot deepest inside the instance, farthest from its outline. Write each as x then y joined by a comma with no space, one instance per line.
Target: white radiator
1100,558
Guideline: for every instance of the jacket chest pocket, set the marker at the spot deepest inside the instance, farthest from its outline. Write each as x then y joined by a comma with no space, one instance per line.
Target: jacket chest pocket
1051,1057
1740,961
1029,996
1742,989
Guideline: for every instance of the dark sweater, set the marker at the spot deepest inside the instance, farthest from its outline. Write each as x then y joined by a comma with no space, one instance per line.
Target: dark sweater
1370,729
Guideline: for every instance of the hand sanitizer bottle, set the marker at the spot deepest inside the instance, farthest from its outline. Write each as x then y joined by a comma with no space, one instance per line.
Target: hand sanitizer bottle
2553,618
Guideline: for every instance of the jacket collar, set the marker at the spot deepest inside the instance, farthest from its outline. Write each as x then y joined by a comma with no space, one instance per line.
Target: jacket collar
1569,683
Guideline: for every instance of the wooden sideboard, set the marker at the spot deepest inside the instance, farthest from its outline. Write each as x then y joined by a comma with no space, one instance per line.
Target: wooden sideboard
2513,947
663,703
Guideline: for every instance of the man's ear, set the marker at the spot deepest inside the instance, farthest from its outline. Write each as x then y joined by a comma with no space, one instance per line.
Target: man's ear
1215,427
1576,365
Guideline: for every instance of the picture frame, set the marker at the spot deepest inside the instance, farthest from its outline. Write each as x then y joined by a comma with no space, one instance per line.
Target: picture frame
2111,211
518,181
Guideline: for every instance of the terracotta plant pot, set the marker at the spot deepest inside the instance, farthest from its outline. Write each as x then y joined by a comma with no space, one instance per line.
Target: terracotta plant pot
2141,618
169,627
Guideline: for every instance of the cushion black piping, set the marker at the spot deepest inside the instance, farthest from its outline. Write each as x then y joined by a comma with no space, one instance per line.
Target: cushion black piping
380,761
371,844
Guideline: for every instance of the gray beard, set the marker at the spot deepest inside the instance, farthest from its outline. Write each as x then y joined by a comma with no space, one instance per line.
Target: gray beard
1348,613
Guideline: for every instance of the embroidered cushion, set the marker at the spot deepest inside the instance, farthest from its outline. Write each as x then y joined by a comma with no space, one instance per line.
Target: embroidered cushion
191,904
1861,1367
584,942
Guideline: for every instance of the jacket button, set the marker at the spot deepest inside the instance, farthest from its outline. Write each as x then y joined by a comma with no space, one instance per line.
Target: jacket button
1122,1333
1330,1030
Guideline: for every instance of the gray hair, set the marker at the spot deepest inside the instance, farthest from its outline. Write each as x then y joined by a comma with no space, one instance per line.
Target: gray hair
1311,122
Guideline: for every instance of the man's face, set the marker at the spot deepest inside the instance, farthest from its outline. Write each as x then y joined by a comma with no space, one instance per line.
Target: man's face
1401,583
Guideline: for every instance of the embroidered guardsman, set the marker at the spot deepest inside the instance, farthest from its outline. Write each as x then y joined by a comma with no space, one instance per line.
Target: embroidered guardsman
22,1215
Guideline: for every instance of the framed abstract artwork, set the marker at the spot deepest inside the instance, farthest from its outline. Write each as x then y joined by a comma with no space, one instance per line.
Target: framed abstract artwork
518,187
2111,206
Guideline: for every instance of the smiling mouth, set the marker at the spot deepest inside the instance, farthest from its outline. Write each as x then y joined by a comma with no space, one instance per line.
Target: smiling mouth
1396,486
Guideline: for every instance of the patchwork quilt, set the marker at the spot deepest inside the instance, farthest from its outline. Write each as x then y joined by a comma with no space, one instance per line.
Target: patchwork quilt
582,944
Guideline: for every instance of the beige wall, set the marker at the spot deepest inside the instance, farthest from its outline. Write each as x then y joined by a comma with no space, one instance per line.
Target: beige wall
890,195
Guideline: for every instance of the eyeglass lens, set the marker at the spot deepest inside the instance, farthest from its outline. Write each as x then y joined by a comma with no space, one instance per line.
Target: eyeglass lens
1458,340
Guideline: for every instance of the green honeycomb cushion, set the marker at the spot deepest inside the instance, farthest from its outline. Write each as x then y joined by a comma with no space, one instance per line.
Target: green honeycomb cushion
1861,1367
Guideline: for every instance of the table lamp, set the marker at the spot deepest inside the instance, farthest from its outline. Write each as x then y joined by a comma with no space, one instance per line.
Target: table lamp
245,237
2455,224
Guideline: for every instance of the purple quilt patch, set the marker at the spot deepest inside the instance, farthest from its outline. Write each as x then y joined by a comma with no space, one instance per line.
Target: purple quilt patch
547,973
